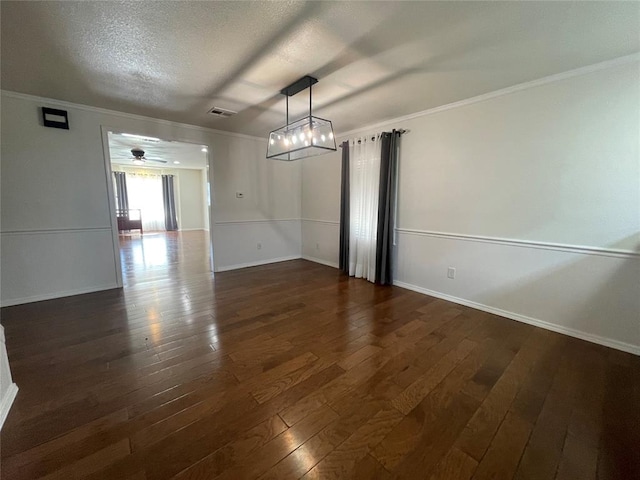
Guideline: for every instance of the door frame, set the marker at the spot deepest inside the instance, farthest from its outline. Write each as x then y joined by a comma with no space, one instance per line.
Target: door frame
111,194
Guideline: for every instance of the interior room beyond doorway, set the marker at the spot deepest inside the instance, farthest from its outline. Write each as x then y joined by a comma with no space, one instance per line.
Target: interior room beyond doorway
161,191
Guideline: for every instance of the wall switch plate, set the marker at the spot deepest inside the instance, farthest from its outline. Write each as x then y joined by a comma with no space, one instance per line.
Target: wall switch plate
259,245
317,246
239,195
451,272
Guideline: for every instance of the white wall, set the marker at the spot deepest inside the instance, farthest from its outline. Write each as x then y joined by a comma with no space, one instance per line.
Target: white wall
269,206
192,206
321,208
532,194
56,225
257,242
204,188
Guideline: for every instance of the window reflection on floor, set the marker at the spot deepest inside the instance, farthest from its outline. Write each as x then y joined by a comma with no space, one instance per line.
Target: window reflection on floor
149,250
162,255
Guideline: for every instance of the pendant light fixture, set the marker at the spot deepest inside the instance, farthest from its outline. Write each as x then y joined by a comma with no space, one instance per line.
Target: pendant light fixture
306,137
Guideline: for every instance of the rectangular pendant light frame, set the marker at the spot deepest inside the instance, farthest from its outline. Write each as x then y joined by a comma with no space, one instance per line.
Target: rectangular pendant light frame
306,137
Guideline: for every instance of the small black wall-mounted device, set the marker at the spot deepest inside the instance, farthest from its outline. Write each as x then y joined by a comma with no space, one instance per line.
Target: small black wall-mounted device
52,117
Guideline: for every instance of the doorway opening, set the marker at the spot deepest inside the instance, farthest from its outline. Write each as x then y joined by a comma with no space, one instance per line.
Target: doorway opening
160,198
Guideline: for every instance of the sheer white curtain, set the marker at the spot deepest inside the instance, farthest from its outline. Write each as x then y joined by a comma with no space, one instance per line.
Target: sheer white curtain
145,193
364,179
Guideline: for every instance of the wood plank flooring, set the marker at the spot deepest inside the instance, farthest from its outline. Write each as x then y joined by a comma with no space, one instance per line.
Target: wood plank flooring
292,370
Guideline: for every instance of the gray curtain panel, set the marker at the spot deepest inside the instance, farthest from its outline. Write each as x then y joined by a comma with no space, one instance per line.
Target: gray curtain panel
168,196
387,207
344,210
122,197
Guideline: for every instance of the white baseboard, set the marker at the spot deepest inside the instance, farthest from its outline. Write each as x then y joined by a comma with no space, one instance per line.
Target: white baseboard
257,263
319,260
6,402
50,296
193,230
607,342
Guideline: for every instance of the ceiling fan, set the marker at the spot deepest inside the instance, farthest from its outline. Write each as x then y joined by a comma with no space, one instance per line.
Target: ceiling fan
140,159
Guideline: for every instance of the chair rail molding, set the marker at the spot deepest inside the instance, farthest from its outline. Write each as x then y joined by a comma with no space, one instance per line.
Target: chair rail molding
580,249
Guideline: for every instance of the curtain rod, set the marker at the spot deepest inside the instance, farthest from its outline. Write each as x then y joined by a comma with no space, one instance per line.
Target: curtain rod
402,131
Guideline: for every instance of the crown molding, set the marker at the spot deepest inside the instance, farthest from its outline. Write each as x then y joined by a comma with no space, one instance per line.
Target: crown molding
131,116
616,62
596,67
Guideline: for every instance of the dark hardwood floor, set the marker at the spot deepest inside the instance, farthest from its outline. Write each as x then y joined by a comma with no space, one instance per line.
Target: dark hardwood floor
292,370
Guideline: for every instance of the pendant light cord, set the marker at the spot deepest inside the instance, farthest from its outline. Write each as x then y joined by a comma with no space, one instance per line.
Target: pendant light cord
310,117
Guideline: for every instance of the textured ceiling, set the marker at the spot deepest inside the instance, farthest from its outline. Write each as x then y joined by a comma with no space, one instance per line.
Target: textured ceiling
188,155
374,60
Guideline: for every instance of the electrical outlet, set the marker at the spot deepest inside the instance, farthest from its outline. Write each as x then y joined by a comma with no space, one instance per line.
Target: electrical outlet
259,245
317,246
451,272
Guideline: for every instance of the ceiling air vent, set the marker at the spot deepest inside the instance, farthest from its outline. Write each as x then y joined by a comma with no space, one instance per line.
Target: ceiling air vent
221,112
